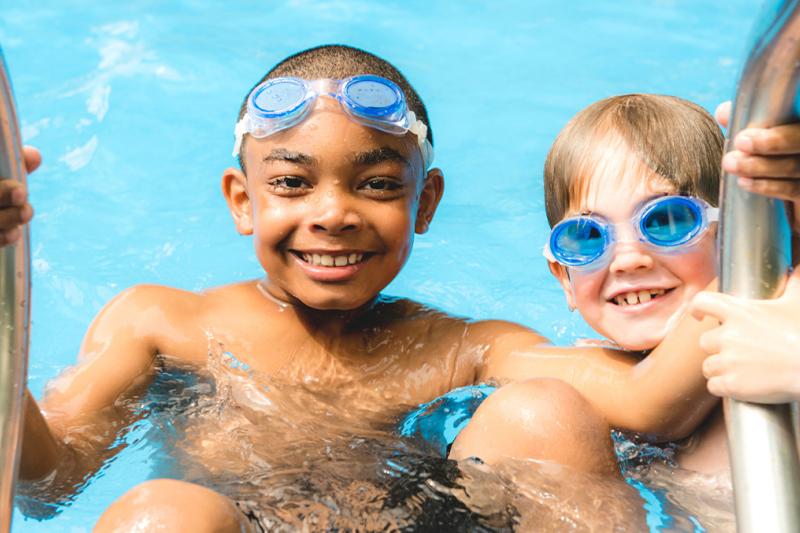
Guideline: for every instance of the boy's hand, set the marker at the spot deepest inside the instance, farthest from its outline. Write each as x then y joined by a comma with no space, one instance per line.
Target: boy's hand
14,207
753,354
767,160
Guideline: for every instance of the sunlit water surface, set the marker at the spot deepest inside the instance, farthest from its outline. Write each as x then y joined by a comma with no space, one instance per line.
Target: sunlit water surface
133,107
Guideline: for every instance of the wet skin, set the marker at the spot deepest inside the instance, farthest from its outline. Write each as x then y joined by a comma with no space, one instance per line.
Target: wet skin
634,267
666,281
330,190
307,194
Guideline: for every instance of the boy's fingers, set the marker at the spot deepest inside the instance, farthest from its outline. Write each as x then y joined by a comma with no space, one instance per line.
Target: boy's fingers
12,217
785,189
714,304
9,236
718,386
723,113
710,342
750,166
33,158
713,366
12,193
779,140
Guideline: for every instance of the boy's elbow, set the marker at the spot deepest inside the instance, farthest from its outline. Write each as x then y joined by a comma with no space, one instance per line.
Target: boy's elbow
656,427
42,451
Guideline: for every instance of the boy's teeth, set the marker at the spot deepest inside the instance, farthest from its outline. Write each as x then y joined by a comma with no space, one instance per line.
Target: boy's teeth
637,297
332,260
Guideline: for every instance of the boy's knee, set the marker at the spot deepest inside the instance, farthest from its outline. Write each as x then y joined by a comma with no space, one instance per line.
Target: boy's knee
544,419
174,506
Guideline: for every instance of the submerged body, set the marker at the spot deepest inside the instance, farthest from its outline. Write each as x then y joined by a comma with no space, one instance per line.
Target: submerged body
333,205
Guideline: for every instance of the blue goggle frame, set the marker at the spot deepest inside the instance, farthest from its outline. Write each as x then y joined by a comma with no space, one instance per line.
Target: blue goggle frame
669,224
281,103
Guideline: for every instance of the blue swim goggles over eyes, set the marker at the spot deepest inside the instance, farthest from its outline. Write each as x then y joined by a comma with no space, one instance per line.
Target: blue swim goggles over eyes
669,224
373,101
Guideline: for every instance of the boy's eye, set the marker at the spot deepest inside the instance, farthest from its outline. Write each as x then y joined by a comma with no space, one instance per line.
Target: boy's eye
381,185
289,183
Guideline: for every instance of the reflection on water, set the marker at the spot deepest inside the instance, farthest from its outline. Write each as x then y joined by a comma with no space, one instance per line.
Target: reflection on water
675,499
295,458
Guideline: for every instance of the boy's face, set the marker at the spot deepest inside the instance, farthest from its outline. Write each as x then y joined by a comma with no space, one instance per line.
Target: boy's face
635,267
333,207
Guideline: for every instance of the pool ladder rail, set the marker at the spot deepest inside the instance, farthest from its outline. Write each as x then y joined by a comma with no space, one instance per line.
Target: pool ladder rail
14,310
755,256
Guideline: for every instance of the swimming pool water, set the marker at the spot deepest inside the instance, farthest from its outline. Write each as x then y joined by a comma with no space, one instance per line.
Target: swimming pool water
133,108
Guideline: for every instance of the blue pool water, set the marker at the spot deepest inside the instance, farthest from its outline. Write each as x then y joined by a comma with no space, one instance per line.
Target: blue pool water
133,108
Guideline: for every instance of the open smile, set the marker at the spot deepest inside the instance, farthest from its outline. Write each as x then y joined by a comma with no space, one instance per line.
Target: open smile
329,265
330,259
638,297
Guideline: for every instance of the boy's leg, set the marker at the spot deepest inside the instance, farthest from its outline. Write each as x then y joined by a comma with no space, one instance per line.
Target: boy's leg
171,505
544,419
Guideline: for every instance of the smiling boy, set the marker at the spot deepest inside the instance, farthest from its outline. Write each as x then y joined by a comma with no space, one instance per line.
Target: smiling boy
335,180
629,185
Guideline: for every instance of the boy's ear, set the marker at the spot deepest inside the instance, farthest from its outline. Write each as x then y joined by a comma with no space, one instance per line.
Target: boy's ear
429,198
234,188
560,272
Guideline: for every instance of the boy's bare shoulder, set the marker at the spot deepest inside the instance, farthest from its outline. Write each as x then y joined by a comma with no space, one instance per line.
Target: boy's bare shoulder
177,300
168,314
415,314
500,332
178,322
484,332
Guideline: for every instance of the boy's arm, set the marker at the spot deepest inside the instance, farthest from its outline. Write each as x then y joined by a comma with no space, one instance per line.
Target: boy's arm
15,210
752,354
70,430
663,394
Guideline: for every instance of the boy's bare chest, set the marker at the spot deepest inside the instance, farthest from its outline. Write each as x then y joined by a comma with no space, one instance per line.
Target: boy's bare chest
396,366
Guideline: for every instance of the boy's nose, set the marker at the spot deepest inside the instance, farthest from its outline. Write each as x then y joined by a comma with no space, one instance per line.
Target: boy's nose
630,257
335,214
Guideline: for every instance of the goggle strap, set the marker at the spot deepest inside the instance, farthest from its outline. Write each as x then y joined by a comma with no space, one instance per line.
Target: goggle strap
242,127
548,254
713,214
416,126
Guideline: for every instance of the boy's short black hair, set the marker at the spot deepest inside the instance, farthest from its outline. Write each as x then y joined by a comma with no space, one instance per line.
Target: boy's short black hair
340,61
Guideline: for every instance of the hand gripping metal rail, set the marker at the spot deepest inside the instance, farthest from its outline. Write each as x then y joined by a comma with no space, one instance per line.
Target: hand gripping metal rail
14,311
755,256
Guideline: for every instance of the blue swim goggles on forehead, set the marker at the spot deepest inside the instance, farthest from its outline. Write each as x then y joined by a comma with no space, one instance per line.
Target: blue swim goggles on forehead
373,101
669,224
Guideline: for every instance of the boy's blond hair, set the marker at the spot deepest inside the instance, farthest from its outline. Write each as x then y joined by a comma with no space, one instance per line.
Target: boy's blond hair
676,139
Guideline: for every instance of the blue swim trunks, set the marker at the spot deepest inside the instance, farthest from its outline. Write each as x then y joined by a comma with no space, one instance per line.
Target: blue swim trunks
438,422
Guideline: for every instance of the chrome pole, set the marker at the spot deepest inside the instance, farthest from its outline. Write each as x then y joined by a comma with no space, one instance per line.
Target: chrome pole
14,311
755,255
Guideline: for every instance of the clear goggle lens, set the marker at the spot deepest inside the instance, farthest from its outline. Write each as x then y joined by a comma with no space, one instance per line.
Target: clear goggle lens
281,103
666,223
672,221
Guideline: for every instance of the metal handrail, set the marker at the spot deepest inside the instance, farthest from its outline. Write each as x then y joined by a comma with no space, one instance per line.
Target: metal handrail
14,311
755,255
